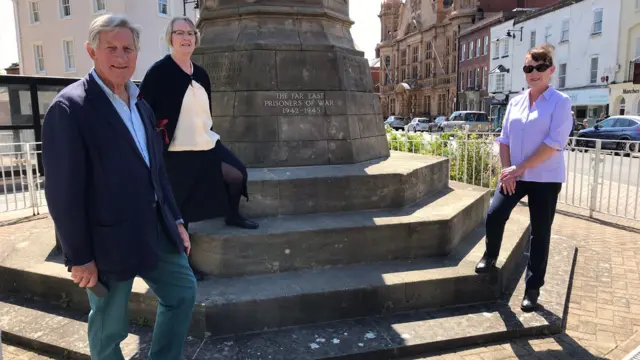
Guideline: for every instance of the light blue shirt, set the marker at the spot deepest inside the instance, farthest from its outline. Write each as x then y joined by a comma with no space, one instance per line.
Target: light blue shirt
129,114
524,129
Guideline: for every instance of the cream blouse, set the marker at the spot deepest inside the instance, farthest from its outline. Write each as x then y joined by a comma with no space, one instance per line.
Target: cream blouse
193,131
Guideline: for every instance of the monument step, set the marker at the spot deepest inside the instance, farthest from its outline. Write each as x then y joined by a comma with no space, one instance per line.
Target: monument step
63,332
431,227
255,303
393,182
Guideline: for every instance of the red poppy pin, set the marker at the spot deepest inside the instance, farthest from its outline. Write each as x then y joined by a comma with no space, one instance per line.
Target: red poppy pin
161,127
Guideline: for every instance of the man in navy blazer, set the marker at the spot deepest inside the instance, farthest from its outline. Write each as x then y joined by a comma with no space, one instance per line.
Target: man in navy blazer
110,199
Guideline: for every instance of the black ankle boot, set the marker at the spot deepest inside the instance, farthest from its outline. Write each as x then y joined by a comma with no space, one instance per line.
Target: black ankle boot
234,218
530,300
485,265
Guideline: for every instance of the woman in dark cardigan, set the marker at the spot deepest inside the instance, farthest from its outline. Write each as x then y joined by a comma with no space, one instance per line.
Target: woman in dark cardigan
208,180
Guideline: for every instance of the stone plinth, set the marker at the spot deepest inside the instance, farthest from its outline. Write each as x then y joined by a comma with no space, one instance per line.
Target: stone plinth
288,86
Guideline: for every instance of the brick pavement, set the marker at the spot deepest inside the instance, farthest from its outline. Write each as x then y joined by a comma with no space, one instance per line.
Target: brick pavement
604,310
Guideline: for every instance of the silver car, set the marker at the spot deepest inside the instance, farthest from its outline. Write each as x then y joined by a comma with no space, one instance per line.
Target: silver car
421,124
468,121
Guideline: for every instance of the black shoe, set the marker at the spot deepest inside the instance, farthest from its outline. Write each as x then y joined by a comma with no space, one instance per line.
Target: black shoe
485,265
530,301
241,222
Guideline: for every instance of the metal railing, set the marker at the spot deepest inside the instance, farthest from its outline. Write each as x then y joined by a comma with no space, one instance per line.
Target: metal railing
603,176
22,184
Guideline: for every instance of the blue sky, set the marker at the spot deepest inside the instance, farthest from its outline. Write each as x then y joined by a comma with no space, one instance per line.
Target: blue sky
365,32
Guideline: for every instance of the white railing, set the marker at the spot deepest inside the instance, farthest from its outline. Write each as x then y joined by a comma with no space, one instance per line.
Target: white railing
603,176
21,187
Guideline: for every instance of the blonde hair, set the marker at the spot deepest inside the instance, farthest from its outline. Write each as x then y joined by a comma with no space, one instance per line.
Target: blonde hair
110,22
542,53
169,32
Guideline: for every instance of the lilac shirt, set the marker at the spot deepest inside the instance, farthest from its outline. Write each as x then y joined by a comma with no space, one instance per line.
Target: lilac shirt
549,121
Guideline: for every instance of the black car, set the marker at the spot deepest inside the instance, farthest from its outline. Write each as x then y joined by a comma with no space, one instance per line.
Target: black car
625,128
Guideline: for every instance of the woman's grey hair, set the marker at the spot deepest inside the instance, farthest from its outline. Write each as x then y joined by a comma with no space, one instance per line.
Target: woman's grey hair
110,22
169,32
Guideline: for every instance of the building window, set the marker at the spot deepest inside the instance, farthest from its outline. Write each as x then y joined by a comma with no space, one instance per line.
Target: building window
427,72
34,12
505,48
404,74
496,49
414,54
565,30
562,76
532,39
500,82
547,34
429,52
597,22
594,70
469,78
163,7
486,46
477,84
69,56
403,57
428,104
478,44
455,40
447,46
461,80
65,8
470,50
414,72
442,104
485,74
99,6
464,52
446,66
38,57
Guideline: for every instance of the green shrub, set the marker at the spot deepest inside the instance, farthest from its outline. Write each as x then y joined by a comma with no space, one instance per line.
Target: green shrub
471,157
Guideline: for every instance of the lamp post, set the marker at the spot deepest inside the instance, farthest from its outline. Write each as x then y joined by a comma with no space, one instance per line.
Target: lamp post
195,3
511,33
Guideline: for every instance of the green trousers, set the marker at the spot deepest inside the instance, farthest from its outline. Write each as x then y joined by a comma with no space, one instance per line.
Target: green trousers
174,284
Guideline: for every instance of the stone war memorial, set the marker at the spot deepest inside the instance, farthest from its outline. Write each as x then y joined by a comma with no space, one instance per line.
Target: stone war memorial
362,253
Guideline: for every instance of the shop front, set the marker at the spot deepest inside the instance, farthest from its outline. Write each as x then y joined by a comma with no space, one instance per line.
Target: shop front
624,99
497,108
589,103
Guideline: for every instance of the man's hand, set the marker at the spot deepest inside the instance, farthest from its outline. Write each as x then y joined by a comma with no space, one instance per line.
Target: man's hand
184,235
512,173
86,276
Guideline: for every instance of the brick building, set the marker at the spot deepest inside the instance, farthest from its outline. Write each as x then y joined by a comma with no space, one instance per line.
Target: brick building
419,51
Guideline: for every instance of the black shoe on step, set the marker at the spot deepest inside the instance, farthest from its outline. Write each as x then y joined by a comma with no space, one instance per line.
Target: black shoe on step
485,265
241,222
530,300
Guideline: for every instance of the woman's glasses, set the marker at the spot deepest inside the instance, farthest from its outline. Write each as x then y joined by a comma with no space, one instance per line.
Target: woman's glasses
528,69
184,33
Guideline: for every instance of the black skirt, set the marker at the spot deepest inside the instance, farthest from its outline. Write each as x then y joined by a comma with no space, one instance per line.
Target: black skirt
197,182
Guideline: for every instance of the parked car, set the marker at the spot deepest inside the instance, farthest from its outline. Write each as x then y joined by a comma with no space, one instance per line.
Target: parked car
611,129
421,124
468,121
439,121
397,122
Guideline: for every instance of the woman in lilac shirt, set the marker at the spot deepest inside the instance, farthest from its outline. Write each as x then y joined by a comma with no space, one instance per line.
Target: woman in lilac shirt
535,130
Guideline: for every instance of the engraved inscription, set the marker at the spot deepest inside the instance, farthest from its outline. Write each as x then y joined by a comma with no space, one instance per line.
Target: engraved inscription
223,69
299,103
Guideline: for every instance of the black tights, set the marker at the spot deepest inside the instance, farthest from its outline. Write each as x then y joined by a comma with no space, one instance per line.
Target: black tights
233,181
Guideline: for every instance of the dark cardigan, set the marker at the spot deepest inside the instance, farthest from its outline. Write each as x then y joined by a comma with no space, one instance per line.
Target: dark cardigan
164,99
196,176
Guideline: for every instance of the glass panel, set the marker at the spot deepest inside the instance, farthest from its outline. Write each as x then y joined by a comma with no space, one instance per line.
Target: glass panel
15,105
46,94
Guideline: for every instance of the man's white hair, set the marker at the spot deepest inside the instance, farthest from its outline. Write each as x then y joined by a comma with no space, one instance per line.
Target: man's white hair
110,22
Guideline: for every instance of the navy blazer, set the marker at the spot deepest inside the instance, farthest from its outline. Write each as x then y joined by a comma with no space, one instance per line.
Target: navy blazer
103,198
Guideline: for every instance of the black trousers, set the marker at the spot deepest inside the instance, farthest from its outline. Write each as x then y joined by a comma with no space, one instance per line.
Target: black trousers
543,198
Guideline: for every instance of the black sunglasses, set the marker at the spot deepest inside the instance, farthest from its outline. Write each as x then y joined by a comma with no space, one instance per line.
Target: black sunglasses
528,69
